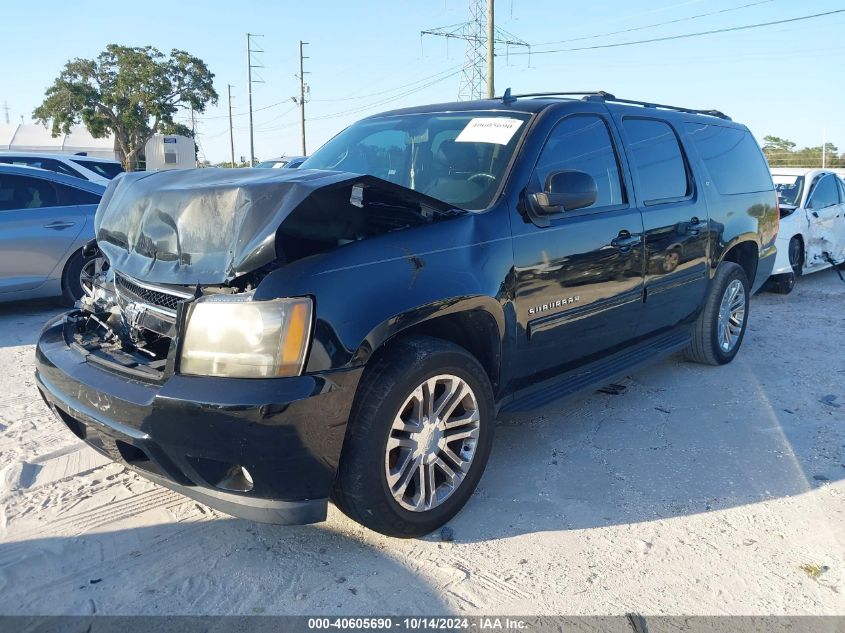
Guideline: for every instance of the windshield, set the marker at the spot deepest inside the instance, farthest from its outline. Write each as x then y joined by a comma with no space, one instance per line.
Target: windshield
789,189
106,170
459,158
271,164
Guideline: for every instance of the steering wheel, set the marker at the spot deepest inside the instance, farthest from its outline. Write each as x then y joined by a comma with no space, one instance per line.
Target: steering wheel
481,176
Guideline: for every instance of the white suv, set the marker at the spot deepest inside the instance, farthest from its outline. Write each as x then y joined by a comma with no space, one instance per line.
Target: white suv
99,170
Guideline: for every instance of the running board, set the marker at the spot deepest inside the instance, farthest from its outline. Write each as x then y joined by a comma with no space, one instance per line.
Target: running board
597,373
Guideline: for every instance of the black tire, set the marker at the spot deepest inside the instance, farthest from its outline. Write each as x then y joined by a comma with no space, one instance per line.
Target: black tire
361,489
71,286
704,347
781,284
796,255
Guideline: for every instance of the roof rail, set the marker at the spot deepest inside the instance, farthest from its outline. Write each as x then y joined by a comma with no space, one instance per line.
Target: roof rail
601,95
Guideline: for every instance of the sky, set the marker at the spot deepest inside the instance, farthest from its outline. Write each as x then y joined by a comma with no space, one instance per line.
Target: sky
368,56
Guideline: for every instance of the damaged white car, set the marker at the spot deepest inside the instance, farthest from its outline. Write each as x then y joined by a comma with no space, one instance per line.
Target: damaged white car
812,224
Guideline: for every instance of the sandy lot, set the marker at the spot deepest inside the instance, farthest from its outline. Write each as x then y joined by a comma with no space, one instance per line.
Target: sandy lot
696,491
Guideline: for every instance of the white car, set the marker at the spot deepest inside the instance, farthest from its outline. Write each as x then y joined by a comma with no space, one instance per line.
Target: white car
99,170
812,224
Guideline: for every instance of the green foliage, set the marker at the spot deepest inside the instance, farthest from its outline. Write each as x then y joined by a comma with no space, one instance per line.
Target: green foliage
782,153
132,92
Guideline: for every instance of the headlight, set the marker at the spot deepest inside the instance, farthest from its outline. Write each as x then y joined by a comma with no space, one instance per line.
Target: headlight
235,336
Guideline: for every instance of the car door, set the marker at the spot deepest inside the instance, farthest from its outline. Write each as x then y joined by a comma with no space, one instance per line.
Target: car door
578,290
839,226
675,222
824,210
38,224
824,216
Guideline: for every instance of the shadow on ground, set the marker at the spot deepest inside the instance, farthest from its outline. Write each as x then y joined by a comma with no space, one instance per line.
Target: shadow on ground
237,567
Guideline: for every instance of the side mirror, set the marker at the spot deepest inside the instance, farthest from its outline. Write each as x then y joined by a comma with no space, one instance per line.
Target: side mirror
566,191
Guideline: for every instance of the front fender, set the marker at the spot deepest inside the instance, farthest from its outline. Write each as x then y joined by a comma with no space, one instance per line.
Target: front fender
367,292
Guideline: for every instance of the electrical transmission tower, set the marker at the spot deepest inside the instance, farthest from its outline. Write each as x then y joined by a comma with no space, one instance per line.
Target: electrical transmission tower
478,33
250,66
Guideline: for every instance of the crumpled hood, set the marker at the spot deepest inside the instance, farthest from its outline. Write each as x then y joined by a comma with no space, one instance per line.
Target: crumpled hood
209,226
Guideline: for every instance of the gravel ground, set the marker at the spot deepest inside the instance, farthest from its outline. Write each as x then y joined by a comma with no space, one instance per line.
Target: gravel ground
696,490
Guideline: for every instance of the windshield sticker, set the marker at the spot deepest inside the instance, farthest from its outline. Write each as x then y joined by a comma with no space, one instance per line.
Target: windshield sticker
489,130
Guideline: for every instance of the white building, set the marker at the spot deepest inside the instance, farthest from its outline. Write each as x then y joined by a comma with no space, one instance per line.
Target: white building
37,138
167,151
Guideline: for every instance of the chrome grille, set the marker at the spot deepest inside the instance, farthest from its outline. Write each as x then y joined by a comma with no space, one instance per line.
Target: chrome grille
147,294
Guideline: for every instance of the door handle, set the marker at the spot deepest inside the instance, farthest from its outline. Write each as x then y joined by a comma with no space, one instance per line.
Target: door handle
58,225
693,227
625,240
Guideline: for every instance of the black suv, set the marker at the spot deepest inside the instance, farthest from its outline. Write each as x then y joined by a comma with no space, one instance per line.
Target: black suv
268,339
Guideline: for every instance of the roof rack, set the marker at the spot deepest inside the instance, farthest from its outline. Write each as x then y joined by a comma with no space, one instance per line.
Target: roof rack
601,95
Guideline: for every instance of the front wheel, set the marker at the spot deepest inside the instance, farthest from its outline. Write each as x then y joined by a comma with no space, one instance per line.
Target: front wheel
718,332
418,440
79,274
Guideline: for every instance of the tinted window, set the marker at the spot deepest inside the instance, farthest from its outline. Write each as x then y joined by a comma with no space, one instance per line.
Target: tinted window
72,196
656,159
825,193
50,164
106,170
841,190
23,192
583,143
733,158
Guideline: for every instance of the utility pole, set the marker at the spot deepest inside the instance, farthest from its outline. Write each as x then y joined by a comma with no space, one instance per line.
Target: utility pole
231,137
824,148
481,36
302,59
249,67
491,44
6,110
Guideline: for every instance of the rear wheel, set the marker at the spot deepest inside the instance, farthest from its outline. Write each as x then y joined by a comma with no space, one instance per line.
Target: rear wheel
720,328
418,440
781,284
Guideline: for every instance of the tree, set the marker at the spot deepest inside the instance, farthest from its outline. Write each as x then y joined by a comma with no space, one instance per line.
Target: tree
132,92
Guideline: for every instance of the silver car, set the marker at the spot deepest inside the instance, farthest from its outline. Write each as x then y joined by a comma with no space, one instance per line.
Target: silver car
45,220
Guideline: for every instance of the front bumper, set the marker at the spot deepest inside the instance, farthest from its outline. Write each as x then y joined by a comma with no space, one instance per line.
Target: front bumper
259,449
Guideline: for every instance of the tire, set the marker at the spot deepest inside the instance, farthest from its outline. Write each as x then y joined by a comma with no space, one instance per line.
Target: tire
387,393
796,255
706,346
781,284
72,276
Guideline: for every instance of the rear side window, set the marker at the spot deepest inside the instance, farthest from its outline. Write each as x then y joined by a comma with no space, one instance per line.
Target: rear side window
657,160
583,143
72,196
732,157
106,170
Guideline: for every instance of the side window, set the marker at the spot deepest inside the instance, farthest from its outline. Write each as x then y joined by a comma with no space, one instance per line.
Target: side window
583,143
733,158
23,192
824,194
72,196
841,186
657,160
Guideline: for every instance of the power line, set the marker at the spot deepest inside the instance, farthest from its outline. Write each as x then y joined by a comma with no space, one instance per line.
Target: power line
652,26
389,90
686,35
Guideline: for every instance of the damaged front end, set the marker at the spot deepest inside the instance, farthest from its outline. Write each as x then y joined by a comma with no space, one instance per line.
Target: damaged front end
188,249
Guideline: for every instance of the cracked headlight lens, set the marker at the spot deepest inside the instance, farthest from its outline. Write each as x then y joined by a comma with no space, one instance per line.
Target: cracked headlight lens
237,337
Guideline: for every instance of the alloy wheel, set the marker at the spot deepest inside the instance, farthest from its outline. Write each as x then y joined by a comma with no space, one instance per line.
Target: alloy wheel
432,443
731,315
89,272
